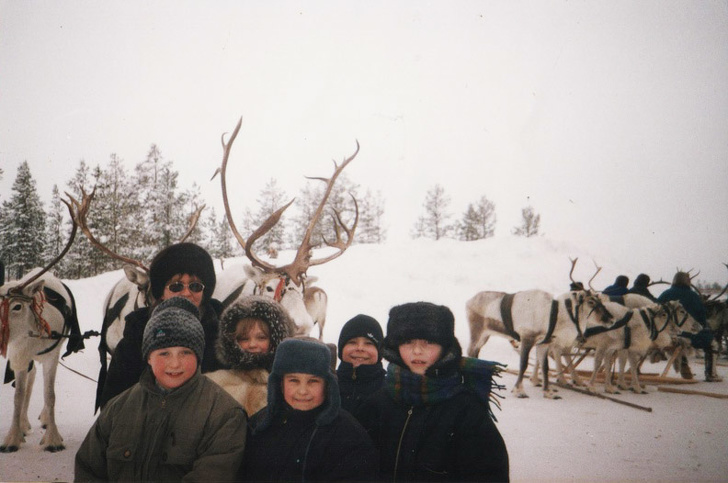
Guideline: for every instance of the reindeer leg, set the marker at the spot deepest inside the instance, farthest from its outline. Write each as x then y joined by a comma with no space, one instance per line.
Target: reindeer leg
526,345
634,360
543,354
52,440
610,363
621,382
598,359
16,434
535,379
476,345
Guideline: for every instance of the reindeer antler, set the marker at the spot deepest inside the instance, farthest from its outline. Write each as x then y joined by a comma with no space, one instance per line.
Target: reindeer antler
19,288
79,212
599,269
194,218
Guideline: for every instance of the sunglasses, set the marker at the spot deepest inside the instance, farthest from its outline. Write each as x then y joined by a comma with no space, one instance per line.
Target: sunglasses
194,287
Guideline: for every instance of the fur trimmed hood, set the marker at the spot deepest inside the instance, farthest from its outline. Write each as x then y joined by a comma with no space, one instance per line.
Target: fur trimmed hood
253,306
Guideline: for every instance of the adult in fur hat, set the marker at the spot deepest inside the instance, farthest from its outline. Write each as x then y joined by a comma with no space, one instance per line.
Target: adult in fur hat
360,371
303,434
180,270
432,420
250,331
174,424
692,302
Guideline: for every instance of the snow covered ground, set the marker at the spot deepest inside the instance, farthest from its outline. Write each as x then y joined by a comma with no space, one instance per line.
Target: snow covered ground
577,438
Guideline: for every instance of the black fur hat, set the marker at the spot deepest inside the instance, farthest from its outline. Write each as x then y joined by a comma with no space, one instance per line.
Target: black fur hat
361,326
681,279
423,320
621,281
178,259
257,307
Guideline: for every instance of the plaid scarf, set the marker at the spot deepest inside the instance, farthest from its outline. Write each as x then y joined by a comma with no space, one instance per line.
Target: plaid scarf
473,375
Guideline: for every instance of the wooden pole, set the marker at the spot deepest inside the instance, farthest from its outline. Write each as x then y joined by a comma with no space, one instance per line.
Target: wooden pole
691,391
602,396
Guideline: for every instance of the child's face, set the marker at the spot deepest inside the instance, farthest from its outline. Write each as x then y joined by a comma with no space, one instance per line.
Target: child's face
173,366
251,337
419,354
358,351
186,291
302,391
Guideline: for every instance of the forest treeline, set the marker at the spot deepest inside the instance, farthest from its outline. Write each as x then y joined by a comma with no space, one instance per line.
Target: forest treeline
137,213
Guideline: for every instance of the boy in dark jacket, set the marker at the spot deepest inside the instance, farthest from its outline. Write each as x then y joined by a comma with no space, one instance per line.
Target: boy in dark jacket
360,372
431,421
303,434
174,424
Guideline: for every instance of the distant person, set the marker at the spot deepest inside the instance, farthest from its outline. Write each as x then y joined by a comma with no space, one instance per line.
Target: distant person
303,434
250,331
360,372
180,270
640,287
174,424
431,421
693,304
618,288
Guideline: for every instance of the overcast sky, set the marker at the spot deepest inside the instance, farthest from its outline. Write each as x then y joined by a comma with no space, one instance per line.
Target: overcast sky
610,118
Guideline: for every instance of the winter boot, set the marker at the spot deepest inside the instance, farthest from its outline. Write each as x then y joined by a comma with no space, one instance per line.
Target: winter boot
710,374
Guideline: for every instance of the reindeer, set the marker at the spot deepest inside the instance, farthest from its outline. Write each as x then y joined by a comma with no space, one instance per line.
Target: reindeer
36,312
288,284
532,317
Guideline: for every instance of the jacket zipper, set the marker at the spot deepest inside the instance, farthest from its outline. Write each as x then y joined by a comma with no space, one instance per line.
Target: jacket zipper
399,446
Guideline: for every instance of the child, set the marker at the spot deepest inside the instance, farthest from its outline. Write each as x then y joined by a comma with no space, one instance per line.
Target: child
250,331
174,423
431,421
360,372
303,434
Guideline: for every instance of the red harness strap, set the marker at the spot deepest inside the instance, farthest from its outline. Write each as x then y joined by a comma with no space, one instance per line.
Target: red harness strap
278,295
4,326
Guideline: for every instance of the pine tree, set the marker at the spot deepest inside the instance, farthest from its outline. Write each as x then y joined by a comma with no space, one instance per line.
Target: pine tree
371,212
530,222
270,199
434,223
22,233
56,236
478,221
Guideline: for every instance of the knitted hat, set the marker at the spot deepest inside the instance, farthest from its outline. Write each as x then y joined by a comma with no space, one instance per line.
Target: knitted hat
307,356
174,322
178,259
259,307
642,280
681,278
421,320
361,326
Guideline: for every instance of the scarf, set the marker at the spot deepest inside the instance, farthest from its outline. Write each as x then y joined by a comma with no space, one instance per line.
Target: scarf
473,375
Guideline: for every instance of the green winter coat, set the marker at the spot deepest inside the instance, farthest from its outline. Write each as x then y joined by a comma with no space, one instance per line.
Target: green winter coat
195,433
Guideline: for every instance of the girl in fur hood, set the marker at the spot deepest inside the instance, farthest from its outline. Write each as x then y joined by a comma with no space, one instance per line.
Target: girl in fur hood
250,331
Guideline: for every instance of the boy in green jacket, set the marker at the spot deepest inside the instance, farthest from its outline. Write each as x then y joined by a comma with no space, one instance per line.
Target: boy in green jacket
174,424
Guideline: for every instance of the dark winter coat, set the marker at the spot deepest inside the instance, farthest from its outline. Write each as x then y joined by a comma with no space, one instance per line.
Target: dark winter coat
642,290
355,385
196,432
127,363
295,448
452,440
689,299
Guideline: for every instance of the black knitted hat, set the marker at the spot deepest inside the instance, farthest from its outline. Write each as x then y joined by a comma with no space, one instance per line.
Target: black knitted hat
307,356
681,279
178,259
174,322
362,326
273,314
621,281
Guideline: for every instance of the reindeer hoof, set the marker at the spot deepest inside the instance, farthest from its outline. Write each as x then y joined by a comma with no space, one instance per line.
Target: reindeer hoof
54,448
8,449
551,395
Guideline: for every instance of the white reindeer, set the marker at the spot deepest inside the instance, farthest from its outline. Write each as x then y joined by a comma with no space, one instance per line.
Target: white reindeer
532,317
288,284
31,329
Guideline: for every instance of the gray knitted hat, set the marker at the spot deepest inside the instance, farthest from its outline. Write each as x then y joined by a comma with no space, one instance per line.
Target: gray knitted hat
174,322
